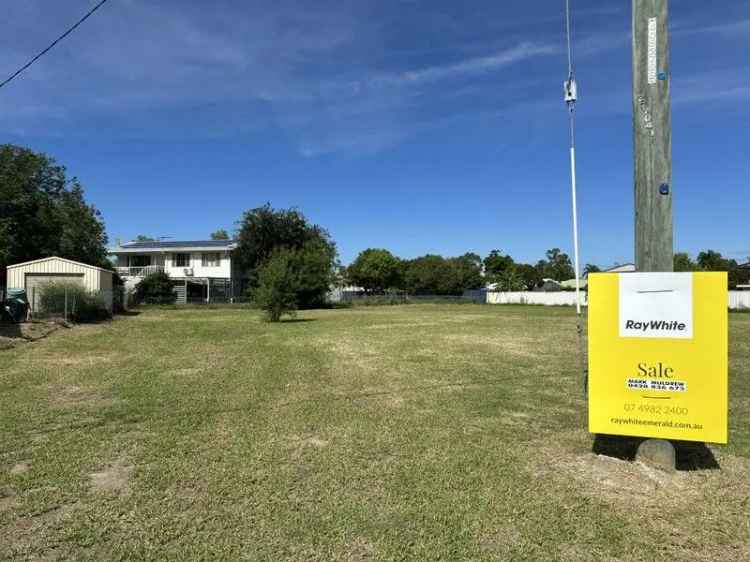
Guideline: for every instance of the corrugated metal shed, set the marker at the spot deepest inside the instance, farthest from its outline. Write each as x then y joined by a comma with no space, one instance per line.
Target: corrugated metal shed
31,274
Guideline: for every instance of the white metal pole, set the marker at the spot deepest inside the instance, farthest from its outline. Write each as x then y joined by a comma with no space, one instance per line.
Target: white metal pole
575,226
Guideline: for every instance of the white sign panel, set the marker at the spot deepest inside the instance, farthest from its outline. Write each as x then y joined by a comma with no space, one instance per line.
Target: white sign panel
656,305
651,65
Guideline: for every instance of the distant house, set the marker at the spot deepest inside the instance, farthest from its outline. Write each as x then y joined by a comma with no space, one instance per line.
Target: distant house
201,270
549,286
622,268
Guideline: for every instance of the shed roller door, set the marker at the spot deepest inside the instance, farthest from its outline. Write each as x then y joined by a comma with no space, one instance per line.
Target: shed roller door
35,280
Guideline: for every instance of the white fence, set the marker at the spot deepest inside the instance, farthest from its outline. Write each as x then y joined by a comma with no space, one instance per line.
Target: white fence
526,297
737,299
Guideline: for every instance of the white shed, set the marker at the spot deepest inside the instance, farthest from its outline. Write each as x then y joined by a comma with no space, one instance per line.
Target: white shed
31,274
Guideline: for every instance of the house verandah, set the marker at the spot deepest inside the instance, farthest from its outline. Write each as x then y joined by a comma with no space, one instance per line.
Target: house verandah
207,290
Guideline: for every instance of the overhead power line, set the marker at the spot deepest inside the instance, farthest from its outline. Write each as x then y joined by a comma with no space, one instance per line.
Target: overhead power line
55,42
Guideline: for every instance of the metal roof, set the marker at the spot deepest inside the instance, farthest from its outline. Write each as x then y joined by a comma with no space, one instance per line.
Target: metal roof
57,258
161,244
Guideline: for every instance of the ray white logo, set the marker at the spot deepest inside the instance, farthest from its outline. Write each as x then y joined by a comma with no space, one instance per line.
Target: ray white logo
656,305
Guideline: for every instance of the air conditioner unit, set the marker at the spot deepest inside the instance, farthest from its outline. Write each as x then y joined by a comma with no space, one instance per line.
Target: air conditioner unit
188,272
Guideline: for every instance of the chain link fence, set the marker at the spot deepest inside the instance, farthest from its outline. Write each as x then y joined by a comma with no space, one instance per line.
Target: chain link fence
73,303
401,297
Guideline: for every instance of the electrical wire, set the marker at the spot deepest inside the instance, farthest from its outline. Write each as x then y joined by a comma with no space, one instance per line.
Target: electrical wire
55,42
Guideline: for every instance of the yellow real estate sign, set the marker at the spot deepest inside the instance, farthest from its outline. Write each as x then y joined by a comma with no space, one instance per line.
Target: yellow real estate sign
658,355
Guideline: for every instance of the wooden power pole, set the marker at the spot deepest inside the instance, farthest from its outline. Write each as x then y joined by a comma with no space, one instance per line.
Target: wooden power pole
652,137
652,147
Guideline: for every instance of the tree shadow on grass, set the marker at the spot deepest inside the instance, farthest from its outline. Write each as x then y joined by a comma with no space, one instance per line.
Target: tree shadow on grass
690,455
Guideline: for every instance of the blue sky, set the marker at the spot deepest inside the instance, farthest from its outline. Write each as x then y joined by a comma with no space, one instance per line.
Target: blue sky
418,126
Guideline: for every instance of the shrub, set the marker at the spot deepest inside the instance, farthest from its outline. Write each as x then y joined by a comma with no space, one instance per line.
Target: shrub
278,283
82,306
155,288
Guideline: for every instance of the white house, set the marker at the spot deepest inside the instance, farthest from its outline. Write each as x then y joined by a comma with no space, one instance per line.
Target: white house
201,271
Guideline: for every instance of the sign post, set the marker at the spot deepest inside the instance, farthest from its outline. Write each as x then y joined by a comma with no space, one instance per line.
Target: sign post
658,355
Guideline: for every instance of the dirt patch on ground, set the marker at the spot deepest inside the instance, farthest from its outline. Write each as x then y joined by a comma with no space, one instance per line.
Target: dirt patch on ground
629,485
11,334
314,442
20,468
72,396
7,500
299,445
359,550
517,346
113,479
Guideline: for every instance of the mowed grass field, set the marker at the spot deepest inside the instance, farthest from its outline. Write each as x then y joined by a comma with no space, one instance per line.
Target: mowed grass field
421,432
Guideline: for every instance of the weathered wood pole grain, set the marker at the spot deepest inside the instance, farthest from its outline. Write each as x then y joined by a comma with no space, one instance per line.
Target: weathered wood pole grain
652,149
652,136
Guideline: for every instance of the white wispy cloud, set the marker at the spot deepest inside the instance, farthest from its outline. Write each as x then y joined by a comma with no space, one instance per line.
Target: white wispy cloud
471,66
326,75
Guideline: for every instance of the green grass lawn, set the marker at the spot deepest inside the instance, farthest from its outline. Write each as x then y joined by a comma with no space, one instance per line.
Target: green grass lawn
421,432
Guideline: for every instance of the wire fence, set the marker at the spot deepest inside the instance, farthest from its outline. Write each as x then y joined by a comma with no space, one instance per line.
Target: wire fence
399,297
73,304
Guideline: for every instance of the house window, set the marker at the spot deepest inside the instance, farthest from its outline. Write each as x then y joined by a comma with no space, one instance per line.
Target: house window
139,261
210,260
181,260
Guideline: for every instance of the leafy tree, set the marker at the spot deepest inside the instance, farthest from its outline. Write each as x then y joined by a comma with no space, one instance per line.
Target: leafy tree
529,275
467,272
42,213
683,262
144,238
276,293
427,275
265,231
436,275
314,264
711,260
220,234
155,288
557,266
376,270
510,280
496,263
591,268
83,231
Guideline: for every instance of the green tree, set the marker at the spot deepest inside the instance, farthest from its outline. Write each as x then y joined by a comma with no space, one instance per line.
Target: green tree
496,263
529,275
467,272
591,268
42,213
155,288
510,280
220,234
314,264
557,266
83,231
436,275
264,231
427,275
683,262
711,260
144,238
276,293
375,270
